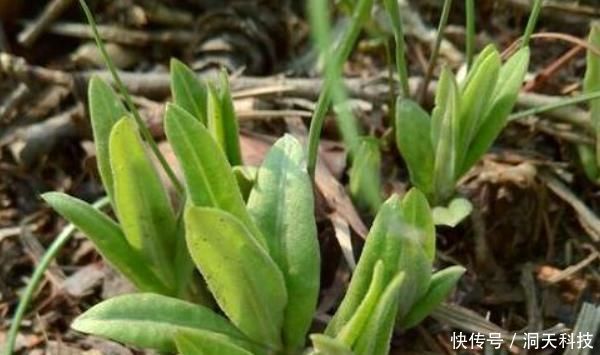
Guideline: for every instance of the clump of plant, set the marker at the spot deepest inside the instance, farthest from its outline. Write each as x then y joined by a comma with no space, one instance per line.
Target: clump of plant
440,148
259,260
251,236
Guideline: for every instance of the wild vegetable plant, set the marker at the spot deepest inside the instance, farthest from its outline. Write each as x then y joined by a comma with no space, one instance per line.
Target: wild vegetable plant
259,259
589,155
440,148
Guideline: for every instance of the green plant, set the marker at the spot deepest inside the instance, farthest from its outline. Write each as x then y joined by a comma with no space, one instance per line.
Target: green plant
259,260
465,121
589,155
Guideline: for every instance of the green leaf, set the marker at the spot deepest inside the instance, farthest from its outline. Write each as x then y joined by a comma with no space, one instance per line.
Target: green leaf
365,175
383,243
445,114
208,176
282,206
325,345
214,119
108,239
243,278
458,209
207,343
591,83
481,57
245,175
351,331
143,206
229,122
442,282
587,156
105,110
152,321
475,99
505,95
188,92
413,132
417,213
375,340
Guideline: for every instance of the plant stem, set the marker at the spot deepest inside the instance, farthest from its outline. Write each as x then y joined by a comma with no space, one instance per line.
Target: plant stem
436,48
361,13
129,102
470,40
394,12
38,273
562,103
346,121
533,17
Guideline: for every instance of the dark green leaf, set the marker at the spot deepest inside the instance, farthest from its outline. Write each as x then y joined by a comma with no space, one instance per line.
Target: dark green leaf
245,176
229,122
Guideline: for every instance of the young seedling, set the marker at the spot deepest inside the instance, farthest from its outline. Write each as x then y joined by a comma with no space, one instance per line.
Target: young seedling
400,242
440,148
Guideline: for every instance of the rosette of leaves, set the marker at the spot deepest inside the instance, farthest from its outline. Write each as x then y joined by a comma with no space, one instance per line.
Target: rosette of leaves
260,266
259,259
